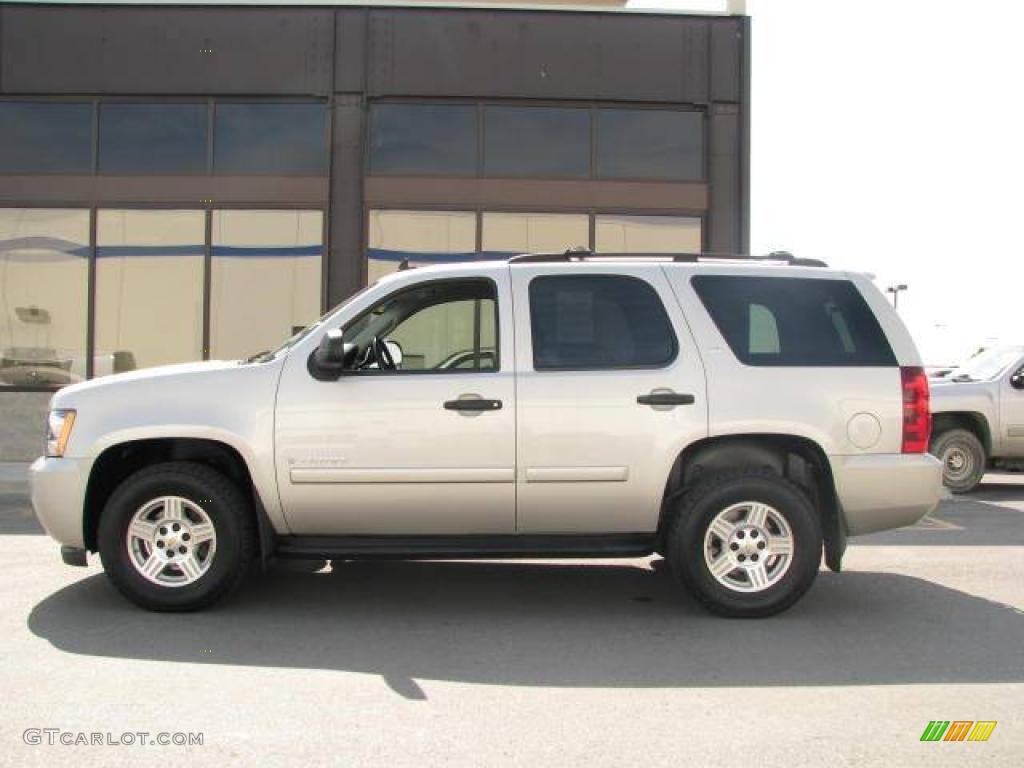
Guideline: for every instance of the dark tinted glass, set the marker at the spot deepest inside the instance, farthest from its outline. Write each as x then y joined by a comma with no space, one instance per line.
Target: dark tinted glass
37,137
787,321
598,321
536,141
270,138
420,139
649,144
154,138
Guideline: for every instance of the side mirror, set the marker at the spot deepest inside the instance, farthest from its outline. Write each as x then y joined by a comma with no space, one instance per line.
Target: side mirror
396,351
328,360
1017,379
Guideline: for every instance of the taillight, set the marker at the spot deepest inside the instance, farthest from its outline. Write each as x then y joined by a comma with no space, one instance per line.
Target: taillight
917,415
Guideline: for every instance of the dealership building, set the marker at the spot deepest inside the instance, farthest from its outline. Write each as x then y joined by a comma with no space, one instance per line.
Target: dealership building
183,183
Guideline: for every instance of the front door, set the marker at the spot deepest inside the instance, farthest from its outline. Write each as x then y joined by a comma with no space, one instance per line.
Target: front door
421,441
1011,412
610,389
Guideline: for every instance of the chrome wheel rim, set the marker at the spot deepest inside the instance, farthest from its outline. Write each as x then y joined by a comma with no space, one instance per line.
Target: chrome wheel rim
958,463
171,541
748,547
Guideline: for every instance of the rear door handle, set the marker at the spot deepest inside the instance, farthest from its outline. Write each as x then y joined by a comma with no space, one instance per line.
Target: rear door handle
665,398
472,404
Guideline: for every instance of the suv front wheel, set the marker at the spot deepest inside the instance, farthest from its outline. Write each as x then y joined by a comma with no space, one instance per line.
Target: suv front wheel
177,537
745,543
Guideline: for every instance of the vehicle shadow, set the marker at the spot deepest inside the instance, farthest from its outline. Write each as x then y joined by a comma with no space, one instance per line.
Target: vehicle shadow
546,624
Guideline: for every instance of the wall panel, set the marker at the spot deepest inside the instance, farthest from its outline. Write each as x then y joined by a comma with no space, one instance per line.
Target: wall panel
345,256
726,60
537,55
350,50
726,204
166,50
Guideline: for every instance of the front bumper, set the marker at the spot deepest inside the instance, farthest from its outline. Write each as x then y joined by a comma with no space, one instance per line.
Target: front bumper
882,491
57,488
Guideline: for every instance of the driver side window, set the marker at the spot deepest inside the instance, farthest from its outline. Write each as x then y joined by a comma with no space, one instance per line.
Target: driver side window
443,326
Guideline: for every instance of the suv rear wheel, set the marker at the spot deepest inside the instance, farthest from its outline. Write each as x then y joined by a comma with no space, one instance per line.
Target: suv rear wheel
745,543
963,459
176,537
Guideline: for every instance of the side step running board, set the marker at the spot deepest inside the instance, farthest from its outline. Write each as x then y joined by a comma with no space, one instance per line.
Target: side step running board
469,546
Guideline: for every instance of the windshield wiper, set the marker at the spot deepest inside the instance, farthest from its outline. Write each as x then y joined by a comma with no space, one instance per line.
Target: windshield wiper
963,377
256,358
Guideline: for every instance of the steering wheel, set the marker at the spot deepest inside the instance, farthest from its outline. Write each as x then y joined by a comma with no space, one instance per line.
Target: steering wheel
380,351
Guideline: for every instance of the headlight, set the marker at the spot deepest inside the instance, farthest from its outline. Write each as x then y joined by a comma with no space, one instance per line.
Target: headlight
58,430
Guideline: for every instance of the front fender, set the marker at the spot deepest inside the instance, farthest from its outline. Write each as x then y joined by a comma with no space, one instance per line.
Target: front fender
218,401
259,462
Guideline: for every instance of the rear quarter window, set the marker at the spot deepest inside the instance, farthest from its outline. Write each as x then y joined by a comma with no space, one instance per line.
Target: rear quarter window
790,321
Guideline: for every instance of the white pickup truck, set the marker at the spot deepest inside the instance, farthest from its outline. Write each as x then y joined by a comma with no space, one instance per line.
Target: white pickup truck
978,412
737,417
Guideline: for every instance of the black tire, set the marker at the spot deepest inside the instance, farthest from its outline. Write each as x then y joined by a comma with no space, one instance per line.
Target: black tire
963,459
696,511
225,506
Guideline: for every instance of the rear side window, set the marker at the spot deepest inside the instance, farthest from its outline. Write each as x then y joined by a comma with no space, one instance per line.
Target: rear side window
787,321
588,322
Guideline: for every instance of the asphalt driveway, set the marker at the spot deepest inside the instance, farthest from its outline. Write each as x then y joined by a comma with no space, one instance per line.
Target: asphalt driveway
529,663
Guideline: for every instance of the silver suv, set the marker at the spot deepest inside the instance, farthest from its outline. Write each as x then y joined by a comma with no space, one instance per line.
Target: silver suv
738,417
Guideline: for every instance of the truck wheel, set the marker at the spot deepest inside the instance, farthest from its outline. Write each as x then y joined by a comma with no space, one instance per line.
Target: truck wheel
746,543
963,459
177,537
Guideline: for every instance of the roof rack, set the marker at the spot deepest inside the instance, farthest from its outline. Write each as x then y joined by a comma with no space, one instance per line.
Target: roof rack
584,254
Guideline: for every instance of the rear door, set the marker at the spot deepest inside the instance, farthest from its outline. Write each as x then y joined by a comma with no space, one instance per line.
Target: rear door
609,389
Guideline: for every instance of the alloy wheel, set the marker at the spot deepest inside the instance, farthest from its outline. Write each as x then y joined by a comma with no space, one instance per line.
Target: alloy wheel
748,547
171,541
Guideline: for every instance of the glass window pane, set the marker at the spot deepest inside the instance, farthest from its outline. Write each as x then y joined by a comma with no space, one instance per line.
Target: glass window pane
647,234
785,321
266,278
44,270
153,138
423,139
422,237
598,321
149,288
536,141
506,234
40,137
270,138
764,331
650,144
450,326
443,337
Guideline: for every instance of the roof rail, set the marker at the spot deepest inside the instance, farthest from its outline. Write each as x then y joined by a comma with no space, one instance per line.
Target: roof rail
584,254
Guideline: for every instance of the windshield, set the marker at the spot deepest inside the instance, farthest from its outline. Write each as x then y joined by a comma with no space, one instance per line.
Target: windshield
261,357
987,365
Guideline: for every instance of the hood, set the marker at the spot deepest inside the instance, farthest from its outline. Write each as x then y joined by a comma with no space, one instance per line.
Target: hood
947,395
947,385
158,379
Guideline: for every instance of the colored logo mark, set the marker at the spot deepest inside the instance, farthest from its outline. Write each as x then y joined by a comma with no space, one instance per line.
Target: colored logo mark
958,730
